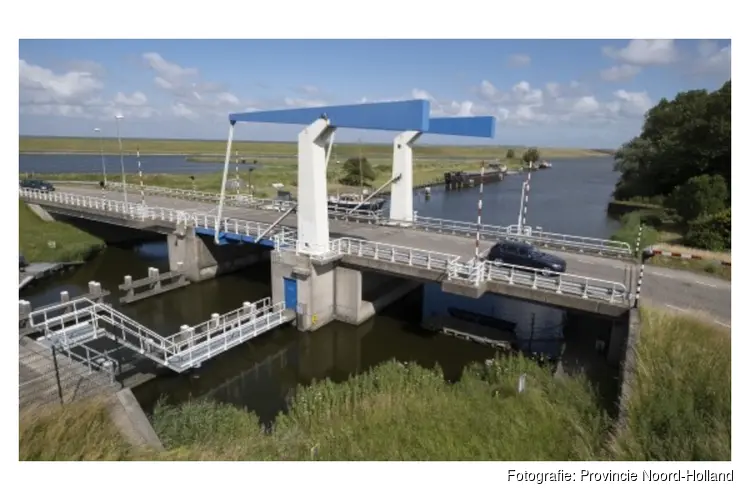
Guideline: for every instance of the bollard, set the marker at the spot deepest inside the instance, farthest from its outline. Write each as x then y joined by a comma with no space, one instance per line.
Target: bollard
215,320
153,274
24,309
128,281
95,289
64,298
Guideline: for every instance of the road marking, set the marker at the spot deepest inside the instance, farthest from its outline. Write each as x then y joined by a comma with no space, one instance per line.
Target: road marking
722,324
675,308
706,284
712,285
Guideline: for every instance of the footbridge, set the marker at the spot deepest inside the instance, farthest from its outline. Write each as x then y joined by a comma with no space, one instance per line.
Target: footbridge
71,326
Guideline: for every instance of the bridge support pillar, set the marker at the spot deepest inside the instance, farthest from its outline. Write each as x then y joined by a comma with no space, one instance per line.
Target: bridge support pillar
199,258
402,191
305,286
349,306
312,205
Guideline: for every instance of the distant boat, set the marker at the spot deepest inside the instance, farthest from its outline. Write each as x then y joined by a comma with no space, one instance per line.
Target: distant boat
545,164
349,201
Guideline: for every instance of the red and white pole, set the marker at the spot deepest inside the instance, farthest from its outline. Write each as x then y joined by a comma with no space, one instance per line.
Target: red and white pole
140,173
479,210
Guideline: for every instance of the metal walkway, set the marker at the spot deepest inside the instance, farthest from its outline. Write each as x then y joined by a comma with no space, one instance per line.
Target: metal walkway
72,325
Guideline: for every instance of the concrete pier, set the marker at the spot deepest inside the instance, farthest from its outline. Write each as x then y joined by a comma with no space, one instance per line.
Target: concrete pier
323,292
201,259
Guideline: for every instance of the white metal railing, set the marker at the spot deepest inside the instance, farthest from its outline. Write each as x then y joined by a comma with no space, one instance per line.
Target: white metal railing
386,252
561,283
580,243
546,239
137,211
185,349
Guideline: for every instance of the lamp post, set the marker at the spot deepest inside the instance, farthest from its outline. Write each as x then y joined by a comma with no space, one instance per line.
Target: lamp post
98,131
122,160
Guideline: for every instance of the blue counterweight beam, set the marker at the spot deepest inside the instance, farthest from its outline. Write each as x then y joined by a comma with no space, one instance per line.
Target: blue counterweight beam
474,126
398,115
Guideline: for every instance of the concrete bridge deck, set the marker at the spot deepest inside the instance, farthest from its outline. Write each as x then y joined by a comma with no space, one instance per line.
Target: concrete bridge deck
679,290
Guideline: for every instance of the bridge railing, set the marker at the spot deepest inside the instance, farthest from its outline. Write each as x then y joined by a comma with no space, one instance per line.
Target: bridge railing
562,283
219,334
581,243
394,253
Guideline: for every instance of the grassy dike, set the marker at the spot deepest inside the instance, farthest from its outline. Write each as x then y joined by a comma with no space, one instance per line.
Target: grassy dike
71,244
680,409
262,178
92,145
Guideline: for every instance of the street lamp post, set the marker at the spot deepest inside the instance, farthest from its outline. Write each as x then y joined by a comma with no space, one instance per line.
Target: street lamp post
122,160
101,150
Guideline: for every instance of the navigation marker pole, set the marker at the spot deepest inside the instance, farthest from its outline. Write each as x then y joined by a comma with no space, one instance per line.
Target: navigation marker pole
140,173
526,200
639,256
479,211
237,171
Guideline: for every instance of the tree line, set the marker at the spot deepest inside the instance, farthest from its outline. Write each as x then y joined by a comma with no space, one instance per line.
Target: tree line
682,161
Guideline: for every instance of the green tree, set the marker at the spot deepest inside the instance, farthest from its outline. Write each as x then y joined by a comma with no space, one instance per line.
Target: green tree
531,155
686,137
713,232
357,171
699,196
510,154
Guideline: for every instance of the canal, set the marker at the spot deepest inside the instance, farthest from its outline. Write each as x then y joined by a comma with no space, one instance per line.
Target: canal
261,374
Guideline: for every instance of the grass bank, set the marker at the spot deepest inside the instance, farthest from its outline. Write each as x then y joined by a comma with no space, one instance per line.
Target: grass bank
262,178
710,264
30,144
680,409
70,243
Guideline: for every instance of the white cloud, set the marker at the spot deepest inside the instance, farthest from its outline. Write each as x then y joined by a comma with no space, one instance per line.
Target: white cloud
40,85
193,96
76,93
557,103
619,73
713,59
519,60
180,110
294,102
644,52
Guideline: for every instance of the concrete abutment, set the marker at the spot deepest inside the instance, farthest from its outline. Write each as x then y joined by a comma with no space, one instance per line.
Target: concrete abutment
201,259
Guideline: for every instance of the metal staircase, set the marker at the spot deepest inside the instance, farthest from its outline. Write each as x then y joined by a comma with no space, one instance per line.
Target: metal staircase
73,324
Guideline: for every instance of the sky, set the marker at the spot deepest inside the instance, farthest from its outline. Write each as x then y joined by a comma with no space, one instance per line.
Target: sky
554,93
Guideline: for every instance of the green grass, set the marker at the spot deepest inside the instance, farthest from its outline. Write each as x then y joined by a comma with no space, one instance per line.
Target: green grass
248,149
261,179
70,243
628,232
705,267
679,409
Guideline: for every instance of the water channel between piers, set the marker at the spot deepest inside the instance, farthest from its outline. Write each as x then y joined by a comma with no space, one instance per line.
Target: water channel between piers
259,374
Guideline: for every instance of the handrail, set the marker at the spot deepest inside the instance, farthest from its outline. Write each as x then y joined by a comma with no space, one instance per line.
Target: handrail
178,351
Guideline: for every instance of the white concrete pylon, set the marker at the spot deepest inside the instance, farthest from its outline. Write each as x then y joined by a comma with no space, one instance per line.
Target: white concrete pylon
402,191
312,200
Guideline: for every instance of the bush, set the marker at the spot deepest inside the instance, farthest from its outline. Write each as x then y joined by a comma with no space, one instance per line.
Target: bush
713,232
628,233
700,196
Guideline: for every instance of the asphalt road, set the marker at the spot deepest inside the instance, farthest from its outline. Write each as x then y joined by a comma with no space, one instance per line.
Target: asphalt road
669,288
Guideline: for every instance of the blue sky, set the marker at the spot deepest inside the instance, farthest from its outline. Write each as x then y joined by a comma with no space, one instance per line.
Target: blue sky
578,93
